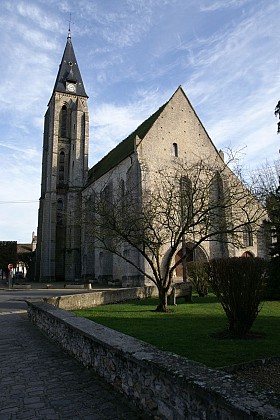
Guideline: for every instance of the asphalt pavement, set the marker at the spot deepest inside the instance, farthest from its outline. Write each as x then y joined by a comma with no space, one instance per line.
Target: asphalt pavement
13,298
38,380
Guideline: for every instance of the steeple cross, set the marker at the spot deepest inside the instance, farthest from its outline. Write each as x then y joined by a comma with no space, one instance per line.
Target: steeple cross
69,29
69,22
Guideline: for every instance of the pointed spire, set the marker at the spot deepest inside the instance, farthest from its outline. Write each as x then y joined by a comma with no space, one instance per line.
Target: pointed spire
69,29
69,72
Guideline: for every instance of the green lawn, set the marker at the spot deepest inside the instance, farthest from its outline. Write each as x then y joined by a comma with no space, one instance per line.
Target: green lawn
187,330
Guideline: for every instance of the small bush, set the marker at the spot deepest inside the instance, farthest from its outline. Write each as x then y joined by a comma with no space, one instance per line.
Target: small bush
239,285
198,275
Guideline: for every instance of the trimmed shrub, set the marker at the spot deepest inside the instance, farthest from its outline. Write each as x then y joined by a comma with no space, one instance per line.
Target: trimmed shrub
239,285
198,275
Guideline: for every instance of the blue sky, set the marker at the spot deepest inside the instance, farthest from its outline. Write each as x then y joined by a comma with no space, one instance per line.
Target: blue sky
132,55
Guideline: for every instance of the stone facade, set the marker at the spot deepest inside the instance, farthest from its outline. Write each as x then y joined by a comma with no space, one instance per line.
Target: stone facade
172,136
64,174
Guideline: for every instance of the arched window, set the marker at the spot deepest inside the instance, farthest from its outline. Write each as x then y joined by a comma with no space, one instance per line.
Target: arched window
63,121
247,236
101,260
122,197
83,125
122,188
220,213
107,195
175,149
61,167
247,254
186,198
219,188
59,211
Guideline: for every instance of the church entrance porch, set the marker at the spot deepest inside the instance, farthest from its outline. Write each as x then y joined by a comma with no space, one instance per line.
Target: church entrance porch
192,254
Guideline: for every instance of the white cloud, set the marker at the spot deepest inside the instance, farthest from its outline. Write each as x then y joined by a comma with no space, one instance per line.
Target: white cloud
20,185
132,55
111,124
223,4
235,85
34,14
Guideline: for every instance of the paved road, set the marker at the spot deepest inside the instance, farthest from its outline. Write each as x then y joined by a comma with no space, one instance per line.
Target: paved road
38,380
14,299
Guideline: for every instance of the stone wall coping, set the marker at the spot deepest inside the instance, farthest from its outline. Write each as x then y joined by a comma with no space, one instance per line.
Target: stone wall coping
185,373
98,297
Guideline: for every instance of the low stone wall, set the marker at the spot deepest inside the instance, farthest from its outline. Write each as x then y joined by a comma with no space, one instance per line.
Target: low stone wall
22,286
162,384
103,297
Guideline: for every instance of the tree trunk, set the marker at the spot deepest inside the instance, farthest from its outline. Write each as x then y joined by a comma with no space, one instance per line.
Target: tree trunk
184,259
162,306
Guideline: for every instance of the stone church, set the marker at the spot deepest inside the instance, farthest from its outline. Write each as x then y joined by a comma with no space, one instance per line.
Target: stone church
171,135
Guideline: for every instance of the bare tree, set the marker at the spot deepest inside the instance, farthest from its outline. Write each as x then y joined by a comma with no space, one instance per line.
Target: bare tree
277,113
266,180
198,202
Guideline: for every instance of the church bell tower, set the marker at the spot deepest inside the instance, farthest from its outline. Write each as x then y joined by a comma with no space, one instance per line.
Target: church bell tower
64,174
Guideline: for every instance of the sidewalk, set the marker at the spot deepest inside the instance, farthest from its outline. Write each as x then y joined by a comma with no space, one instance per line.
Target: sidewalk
38,380
23,285
33,285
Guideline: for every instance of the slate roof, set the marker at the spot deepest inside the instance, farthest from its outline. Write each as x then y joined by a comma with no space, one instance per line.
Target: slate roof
23,248
69,71
123,149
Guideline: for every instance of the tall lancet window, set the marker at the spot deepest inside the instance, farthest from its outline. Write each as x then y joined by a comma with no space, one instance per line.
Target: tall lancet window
63,121
175,151
83,125
186,198
61,167
59,212
247,236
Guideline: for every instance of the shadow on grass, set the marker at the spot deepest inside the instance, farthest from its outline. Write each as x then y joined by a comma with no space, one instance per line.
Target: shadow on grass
188,331
193,338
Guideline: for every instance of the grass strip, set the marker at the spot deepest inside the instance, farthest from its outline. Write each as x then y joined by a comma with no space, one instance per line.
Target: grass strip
187,329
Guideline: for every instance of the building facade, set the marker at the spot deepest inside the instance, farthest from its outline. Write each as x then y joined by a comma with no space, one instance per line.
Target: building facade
64,174
171,137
